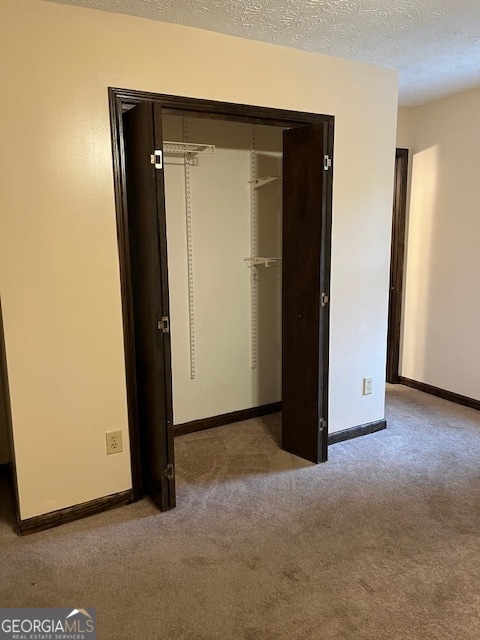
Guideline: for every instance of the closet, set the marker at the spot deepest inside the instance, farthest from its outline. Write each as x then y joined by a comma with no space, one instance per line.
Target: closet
224,225
223,194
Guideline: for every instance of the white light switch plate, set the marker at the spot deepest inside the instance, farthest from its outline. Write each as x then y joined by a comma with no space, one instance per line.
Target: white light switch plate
367,386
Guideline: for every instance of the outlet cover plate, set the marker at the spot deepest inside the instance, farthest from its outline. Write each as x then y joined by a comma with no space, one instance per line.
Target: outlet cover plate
114,442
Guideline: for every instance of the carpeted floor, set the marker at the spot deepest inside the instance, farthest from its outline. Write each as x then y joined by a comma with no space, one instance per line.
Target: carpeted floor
380,543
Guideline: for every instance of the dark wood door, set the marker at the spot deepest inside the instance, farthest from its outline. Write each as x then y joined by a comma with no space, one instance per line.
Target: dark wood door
149,290
396,264
305,276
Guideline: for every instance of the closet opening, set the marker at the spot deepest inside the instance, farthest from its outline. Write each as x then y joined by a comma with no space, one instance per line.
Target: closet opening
224,218
224,225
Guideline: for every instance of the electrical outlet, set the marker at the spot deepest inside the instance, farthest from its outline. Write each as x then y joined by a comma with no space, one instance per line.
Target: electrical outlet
367,386
114,442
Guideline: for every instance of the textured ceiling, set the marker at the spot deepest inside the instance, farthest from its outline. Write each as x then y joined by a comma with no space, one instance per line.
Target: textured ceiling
434,44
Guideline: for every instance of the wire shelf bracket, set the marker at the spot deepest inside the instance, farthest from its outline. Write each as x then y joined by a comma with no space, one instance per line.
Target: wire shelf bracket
259,261
260,182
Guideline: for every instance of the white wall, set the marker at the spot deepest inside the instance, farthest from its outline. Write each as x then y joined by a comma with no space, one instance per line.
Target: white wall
221,228
442,296
59,274
267,375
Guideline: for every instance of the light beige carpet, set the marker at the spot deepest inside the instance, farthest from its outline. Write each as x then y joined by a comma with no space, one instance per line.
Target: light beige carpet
380,543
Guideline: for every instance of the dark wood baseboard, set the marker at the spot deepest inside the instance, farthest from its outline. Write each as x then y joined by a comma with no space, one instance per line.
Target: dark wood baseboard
355,432
265,409
226,418
441,393
56,518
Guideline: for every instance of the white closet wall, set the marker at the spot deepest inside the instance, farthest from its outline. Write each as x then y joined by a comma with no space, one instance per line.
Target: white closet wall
267,375
220,197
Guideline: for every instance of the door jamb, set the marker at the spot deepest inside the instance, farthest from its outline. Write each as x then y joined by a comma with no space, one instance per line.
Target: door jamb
397,265
119,101
6,409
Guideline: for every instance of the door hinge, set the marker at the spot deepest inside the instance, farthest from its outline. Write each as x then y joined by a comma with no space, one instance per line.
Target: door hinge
169,472
327,162
322,424
157,159
164,324
325,299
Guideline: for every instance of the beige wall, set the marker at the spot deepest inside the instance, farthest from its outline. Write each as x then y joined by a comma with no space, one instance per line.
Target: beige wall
59,276
404,129
221,225
404,141
442,297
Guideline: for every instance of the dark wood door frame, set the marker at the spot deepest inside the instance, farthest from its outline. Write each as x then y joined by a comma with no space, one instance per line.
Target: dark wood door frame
5,408
397,264
121,100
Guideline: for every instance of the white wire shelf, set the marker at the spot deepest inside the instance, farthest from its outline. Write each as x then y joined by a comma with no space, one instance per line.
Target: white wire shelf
260,182
262,262
187,148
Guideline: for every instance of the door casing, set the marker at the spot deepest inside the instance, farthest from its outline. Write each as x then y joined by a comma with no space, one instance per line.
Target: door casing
397,260
121,100
5,408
